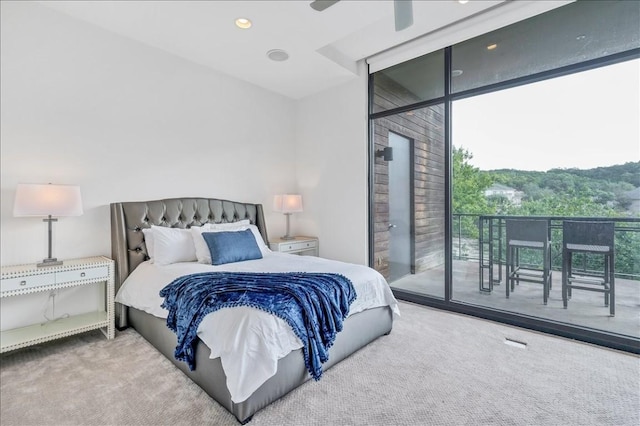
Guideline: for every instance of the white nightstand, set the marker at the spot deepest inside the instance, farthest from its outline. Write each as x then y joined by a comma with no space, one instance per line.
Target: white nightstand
24,279
304,246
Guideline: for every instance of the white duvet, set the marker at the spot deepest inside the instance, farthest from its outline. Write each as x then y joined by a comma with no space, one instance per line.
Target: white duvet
249,341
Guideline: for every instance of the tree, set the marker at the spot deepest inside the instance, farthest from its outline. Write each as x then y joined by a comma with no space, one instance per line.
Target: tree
468,184
468,192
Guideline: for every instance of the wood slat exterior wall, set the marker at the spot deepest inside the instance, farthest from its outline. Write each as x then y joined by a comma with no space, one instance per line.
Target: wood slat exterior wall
425,127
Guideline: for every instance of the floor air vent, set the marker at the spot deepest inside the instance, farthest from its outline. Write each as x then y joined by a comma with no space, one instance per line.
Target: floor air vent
515,343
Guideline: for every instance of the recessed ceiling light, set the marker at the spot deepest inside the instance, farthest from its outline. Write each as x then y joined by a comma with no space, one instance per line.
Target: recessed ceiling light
463,1
278,55
243,23
492,46
456,73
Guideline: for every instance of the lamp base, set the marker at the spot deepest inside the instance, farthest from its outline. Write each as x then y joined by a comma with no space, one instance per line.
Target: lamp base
49,262
287,236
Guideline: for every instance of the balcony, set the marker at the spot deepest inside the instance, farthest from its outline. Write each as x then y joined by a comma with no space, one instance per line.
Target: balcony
479,273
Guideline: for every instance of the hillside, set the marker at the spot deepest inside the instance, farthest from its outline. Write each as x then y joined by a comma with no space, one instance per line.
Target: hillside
605,186
628,172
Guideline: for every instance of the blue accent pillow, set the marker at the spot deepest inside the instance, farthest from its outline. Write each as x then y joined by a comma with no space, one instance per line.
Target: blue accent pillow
231,246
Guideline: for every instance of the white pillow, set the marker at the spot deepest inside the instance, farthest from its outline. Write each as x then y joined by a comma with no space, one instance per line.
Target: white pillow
258,236
148,241
172,245
202,249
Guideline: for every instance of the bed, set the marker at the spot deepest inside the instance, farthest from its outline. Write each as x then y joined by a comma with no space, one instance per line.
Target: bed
370,320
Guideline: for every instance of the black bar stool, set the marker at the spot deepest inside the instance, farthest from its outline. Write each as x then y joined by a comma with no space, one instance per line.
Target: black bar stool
531,234
595,238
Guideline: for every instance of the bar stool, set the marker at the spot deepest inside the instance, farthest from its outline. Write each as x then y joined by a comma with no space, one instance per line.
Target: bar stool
531,234
595,238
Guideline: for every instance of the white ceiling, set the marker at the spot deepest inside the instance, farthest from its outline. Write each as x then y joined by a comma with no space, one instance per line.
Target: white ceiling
204,32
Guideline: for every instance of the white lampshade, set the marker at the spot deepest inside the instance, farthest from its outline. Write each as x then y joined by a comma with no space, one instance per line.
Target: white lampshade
47,199
287,203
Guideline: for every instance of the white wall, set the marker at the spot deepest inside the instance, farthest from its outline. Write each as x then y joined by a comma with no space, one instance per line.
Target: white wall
80,105
126,122
331,160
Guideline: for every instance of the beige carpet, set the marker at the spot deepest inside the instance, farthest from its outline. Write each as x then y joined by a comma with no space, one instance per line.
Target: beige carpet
435,368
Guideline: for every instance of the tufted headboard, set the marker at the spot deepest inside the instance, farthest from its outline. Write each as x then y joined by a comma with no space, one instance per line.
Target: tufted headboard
129,218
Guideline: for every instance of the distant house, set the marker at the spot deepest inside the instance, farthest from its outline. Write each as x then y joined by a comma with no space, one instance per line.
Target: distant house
634,200
498,190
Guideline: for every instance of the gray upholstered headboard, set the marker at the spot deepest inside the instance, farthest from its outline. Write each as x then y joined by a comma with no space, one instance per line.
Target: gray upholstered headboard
129,218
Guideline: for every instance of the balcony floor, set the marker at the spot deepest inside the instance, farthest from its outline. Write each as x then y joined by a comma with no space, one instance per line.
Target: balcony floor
585,308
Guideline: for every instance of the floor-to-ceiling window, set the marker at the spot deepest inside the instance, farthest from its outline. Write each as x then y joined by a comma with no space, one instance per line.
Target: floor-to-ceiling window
536,121
576,156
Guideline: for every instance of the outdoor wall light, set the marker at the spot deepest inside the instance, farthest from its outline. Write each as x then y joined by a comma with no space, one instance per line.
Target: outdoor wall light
386,153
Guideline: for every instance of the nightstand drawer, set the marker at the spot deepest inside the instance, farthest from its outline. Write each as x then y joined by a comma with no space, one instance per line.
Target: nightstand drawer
82,274
9,284
302,245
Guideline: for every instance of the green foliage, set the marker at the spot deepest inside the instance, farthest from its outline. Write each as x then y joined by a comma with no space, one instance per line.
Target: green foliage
627,172
598,192
468,191
627,260
602,186
561,205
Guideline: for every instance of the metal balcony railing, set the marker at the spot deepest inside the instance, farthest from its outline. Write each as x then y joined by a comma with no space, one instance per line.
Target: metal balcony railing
481,238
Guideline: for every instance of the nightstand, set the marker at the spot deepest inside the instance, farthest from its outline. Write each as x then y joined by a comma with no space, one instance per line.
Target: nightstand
304,246
24,279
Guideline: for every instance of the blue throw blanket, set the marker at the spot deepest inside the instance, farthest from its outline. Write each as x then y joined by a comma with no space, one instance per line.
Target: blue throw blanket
313,304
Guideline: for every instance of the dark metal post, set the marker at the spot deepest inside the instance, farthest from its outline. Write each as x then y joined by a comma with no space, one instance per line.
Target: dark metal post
50,261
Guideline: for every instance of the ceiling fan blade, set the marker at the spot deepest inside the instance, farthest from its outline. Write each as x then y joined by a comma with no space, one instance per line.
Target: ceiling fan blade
403,11
321,5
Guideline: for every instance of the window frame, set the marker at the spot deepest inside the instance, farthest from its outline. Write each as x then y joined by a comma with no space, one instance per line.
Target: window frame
582,333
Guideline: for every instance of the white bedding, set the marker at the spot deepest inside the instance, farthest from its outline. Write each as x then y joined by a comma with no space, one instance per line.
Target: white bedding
249,341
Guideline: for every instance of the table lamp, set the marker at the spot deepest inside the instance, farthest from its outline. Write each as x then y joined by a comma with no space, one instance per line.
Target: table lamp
47,200
287,204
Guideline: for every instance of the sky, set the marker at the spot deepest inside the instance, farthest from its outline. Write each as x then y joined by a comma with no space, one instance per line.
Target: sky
584,120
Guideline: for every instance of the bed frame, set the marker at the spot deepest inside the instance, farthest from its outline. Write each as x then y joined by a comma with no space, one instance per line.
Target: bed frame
129,250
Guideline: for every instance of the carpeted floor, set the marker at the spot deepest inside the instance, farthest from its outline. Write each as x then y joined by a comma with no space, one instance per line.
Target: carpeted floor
435,368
